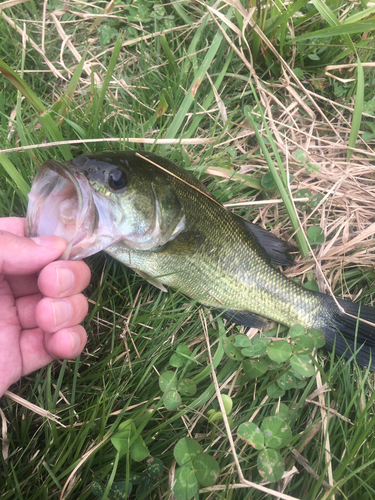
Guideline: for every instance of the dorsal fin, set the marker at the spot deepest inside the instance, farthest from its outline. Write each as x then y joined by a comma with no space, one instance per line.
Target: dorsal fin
275,248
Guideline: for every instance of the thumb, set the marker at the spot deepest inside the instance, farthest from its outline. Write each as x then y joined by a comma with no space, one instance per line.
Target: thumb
21,255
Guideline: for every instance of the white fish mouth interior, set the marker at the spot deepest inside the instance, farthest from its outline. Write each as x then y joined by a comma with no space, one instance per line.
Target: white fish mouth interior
69,214
56,203
66,210
61,205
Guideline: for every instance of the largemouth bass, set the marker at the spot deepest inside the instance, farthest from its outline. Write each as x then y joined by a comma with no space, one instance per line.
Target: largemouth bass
159,220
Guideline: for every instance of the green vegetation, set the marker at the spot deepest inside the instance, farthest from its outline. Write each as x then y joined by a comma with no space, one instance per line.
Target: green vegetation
271,104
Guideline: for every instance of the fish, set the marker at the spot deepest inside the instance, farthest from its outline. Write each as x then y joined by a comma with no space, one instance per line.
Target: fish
158,219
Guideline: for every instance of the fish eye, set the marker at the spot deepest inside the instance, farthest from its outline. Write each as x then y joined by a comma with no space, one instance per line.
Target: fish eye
117,180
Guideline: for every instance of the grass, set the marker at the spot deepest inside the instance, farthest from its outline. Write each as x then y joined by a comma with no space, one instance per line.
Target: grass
192,81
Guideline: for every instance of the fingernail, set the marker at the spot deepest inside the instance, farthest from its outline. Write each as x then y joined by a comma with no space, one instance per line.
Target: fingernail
48,241
65,279
76,341
62,311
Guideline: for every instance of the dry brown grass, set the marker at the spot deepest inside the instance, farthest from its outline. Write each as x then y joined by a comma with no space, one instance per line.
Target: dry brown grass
294,113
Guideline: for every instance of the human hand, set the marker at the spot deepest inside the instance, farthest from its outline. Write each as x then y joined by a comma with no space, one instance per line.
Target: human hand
39,313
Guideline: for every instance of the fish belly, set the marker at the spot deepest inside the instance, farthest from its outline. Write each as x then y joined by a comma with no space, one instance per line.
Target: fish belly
266,293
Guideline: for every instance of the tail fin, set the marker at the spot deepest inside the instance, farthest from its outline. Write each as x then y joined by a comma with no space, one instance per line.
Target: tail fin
349,335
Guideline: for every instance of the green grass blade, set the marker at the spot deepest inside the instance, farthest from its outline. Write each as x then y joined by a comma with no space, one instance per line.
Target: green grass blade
366,423
358,109
43,115
326,13
302,244
22,130
331,19
111,66
358,16
22,87
174,128
16,177
211,96
244,178
273,22
54,134
178,7
342,30
62,106
168,54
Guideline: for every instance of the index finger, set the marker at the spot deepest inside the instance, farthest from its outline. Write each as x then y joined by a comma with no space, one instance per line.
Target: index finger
63,278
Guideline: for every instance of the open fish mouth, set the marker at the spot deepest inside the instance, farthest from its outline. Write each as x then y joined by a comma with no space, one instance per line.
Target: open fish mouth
61,203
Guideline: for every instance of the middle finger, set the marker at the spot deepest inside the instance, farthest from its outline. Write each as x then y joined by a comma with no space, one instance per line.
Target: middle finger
53,314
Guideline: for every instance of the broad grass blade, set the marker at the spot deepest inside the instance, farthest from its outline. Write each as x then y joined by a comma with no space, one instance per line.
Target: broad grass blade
358,109
342,30
111,66
14,175
174,128
302,244
44,115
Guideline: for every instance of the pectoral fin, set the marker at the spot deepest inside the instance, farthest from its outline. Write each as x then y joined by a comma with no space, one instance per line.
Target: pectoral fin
150,279
244,318
185,243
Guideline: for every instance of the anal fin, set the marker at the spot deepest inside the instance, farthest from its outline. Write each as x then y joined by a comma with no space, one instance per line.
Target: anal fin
245,318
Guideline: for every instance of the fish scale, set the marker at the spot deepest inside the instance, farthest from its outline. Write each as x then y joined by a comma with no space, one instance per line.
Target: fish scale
238,277
159,220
